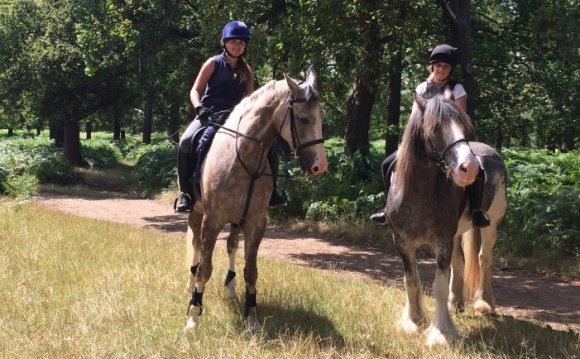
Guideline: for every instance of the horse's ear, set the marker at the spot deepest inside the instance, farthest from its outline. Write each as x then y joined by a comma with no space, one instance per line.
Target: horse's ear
420,101
311,76
294,88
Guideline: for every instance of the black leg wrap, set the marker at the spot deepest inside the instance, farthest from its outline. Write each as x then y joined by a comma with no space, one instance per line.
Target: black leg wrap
196,300
194,269
231,275
250,303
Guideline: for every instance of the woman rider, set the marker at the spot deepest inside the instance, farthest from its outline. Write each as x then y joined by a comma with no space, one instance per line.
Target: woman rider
222,82
442,62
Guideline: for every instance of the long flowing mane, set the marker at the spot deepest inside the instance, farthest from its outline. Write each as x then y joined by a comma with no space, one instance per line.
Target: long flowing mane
438,111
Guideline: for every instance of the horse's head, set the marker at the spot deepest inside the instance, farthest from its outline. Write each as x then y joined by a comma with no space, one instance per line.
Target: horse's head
302,126
445,132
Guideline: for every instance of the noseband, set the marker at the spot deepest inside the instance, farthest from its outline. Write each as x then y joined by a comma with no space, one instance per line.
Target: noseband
440,157
297,146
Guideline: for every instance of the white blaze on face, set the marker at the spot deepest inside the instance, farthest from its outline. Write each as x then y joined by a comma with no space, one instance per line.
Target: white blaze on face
320,164
467,167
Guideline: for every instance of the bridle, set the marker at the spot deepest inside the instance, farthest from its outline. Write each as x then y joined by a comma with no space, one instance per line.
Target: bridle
440,156
297,146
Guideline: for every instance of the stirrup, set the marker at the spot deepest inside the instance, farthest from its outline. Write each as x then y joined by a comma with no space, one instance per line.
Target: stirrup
185,203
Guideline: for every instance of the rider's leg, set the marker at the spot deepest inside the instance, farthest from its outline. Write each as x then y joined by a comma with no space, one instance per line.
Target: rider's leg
184,200
387,168
276,200
479,217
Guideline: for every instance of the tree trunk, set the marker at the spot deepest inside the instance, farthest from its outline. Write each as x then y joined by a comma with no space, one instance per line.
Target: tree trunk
89,127
72,143
116,125
10,132
148,116
360,101
358,111
394,105
459,14
173,126
57,133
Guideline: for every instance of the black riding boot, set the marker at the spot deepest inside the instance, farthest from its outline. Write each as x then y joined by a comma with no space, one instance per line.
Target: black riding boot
276,200
387,168
475,193
184,200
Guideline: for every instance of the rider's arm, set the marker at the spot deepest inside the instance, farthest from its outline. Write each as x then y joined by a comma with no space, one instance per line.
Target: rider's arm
462,103
200,83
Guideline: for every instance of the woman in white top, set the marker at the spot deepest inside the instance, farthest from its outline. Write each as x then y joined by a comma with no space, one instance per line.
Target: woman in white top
442,62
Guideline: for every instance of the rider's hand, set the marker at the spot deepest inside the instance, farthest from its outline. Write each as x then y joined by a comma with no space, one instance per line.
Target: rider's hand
202,113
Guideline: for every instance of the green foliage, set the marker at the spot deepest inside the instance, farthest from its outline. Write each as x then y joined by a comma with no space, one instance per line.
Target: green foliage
544,202
156,166
101,153
27,162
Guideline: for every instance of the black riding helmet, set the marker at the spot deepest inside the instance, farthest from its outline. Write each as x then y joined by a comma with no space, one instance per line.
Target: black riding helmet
444,53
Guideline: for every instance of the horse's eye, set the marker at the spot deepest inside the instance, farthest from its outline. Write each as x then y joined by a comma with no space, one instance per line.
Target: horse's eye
304,120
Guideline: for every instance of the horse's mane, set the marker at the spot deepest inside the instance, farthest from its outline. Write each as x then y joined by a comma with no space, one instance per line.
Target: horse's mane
437,111
267,97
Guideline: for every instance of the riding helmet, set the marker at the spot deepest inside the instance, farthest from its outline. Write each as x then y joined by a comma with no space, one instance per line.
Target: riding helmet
444,53
236,30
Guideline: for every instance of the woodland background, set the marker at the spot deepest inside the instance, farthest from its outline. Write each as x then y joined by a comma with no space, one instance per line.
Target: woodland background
70,69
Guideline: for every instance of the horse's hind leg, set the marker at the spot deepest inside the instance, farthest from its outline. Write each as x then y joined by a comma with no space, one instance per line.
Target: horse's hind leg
193,247
233,241
413,312
252,238
442,325
456,298
484,299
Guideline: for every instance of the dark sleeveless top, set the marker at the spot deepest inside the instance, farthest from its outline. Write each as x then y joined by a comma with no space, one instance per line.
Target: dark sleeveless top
222,91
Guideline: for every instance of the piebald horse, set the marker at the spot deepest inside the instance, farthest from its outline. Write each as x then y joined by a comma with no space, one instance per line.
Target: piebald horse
235,187
427,204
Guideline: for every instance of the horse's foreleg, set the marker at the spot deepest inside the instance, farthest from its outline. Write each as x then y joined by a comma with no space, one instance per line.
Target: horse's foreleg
456,299
202,274
233,241
442,325
484,299
413,312
252,239
193,247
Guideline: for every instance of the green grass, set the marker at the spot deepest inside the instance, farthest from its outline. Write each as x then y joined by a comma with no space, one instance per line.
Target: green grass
78,287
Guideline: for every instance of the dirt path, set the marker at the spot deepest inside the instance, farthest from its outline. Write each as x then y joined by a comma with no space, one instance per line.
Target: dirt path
554,303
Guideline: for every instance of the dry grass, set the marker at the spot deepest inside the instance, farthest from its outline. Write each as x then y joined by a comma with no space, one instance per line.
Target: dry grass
76,287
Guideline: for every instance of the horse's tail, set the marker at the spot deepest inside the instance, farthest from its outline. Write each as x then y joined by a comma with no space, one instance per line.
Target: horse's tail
471,249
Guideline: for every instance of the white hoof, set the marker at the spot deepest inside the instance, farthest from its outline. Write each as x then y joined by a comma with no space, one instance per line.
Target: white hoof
252,322
193,314
408,326
483,308
435,337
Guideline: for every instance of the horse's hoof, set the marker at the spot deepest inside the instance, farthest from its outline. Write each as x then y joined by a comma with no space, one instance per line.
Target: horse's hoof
436,337
190,325
483,308
252,323
408,326
193,314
